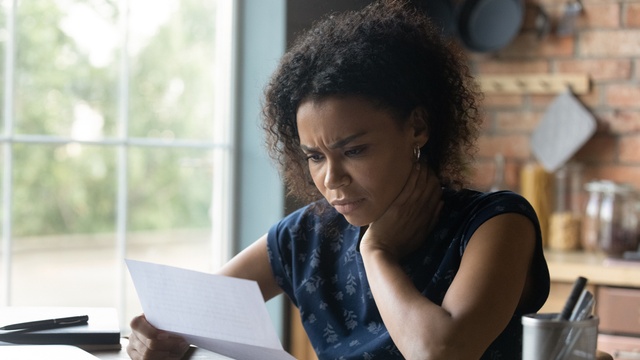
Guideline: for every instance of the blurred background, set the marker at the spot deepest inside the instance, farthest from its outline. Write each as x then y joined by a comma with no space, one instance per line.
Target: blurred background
130,129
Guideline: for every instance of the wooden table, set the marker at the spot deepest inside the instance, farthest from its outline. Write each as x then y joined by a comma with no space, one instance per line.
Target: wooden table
193,354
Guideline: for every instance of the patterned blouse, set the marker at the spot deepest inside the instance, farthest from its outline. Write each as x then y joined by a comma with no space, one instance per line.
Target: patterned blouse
314,256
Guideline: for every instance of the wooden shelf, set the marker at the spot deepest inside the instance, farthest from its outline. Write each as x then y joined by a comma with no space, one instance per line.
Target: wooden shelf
534,83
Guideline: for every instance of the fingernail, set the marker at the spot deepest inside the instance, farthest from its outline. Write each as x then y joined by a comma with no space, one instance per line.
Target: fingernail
182,348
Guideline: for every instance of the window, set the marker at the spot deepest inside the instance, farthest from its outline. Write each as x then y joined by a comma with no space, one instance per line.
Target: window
116,142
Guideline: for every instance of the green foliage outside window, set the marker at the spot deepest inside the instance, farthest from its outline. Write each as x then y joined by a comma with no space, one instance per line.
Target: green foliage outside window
71,188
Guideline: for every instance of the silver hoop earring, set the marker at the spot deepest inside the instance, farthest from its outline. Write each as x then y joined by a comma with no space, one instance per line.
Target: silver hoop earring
416,153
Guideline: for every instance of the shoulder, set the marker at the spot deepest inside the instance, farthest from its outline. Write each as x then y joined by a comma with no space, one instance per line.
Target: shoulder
308,227
481,206
465,211
472,197
308,218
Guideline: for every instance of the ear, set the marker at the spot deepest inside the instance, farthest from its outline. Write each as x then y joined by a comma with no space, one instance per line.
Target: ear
419,124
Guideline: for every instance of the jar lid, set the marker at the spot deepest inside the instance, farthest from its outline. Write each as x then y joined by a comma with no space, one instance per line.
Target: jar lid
608,186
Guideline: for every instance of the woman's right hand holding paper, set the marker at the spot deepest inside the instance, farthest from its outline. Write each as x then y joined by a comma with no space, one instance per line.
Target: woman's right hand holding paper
148,343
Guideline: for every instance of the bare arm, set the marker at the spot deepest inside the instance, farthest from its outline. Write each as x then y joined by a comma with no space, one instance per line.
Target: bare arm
477,306
253,263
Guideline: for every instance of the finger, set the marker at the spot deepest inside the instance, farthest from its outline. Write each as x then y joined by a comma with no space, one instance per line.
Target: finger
138,350
132,347
143,333
154,339
140,325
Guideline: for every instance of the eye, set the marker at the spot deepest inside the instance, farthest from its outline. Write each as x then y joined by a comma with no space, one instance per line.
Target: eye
354,151
313,157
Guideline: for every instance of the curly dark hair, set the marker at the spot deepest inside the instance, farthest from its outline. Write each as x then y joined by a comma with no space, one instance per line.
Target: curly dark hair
391,54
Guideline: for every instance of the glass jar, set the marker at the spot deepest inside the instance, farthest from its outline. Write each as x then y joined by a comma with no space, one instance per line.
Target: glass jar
590,220
564,224
610,221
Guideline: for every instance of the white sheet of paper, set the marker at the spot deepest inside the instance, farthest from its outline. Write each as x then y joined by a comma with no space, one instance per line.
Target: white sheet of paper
218,313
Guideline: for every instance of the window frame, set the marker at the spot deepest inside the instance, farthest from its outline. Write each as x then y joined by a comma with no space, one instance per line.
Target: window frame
221,144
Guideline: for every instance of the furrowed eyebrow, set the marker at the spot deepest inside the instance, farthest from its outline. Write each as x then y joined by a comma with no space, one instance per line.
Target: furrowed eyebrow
336,145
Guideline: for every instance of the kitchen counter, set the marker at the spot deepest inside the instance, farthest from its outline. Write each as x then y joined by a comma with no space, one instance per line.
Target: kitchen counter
616,285
597,268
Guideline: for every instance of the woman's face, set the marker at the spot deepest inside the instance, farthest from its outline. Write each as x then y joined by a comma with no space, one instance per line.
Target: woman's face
358,155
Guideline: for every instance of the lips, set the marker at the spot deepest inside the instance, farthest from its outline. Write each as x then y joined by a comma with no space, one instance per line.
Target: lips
346,206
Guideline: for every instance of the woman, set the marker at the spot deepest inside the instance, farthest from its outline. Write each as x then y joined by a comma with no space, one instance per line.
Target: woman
372,118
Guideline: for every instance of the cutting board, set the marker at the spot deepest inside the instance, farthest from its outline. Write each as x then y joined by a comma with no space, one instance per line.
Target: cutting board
565,127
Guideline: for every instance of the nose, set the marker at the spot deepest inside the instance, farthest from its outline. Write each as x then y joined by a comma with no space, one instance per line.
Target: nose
335,175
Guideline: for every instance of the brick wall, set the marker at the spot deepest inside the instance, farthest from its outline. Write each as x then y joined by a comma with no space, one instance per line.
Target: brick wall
606,45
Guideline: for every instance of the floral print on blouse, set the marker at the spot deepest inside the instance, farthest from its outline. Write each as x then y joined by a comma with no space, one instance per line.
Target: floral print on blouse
315,259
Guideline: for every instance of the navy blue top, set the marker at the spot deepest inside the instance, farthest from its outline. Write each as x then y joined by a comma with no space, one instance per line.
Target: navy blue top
314,257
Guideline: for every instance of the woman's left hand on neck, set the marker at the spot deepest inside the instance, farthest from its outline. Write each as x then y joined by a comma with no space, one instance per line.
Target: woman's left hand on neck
405,225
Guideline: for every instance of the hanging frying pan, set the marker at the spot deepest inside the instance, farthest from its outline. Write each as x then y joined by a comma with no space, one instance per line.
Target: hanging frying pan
488,25
481,25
